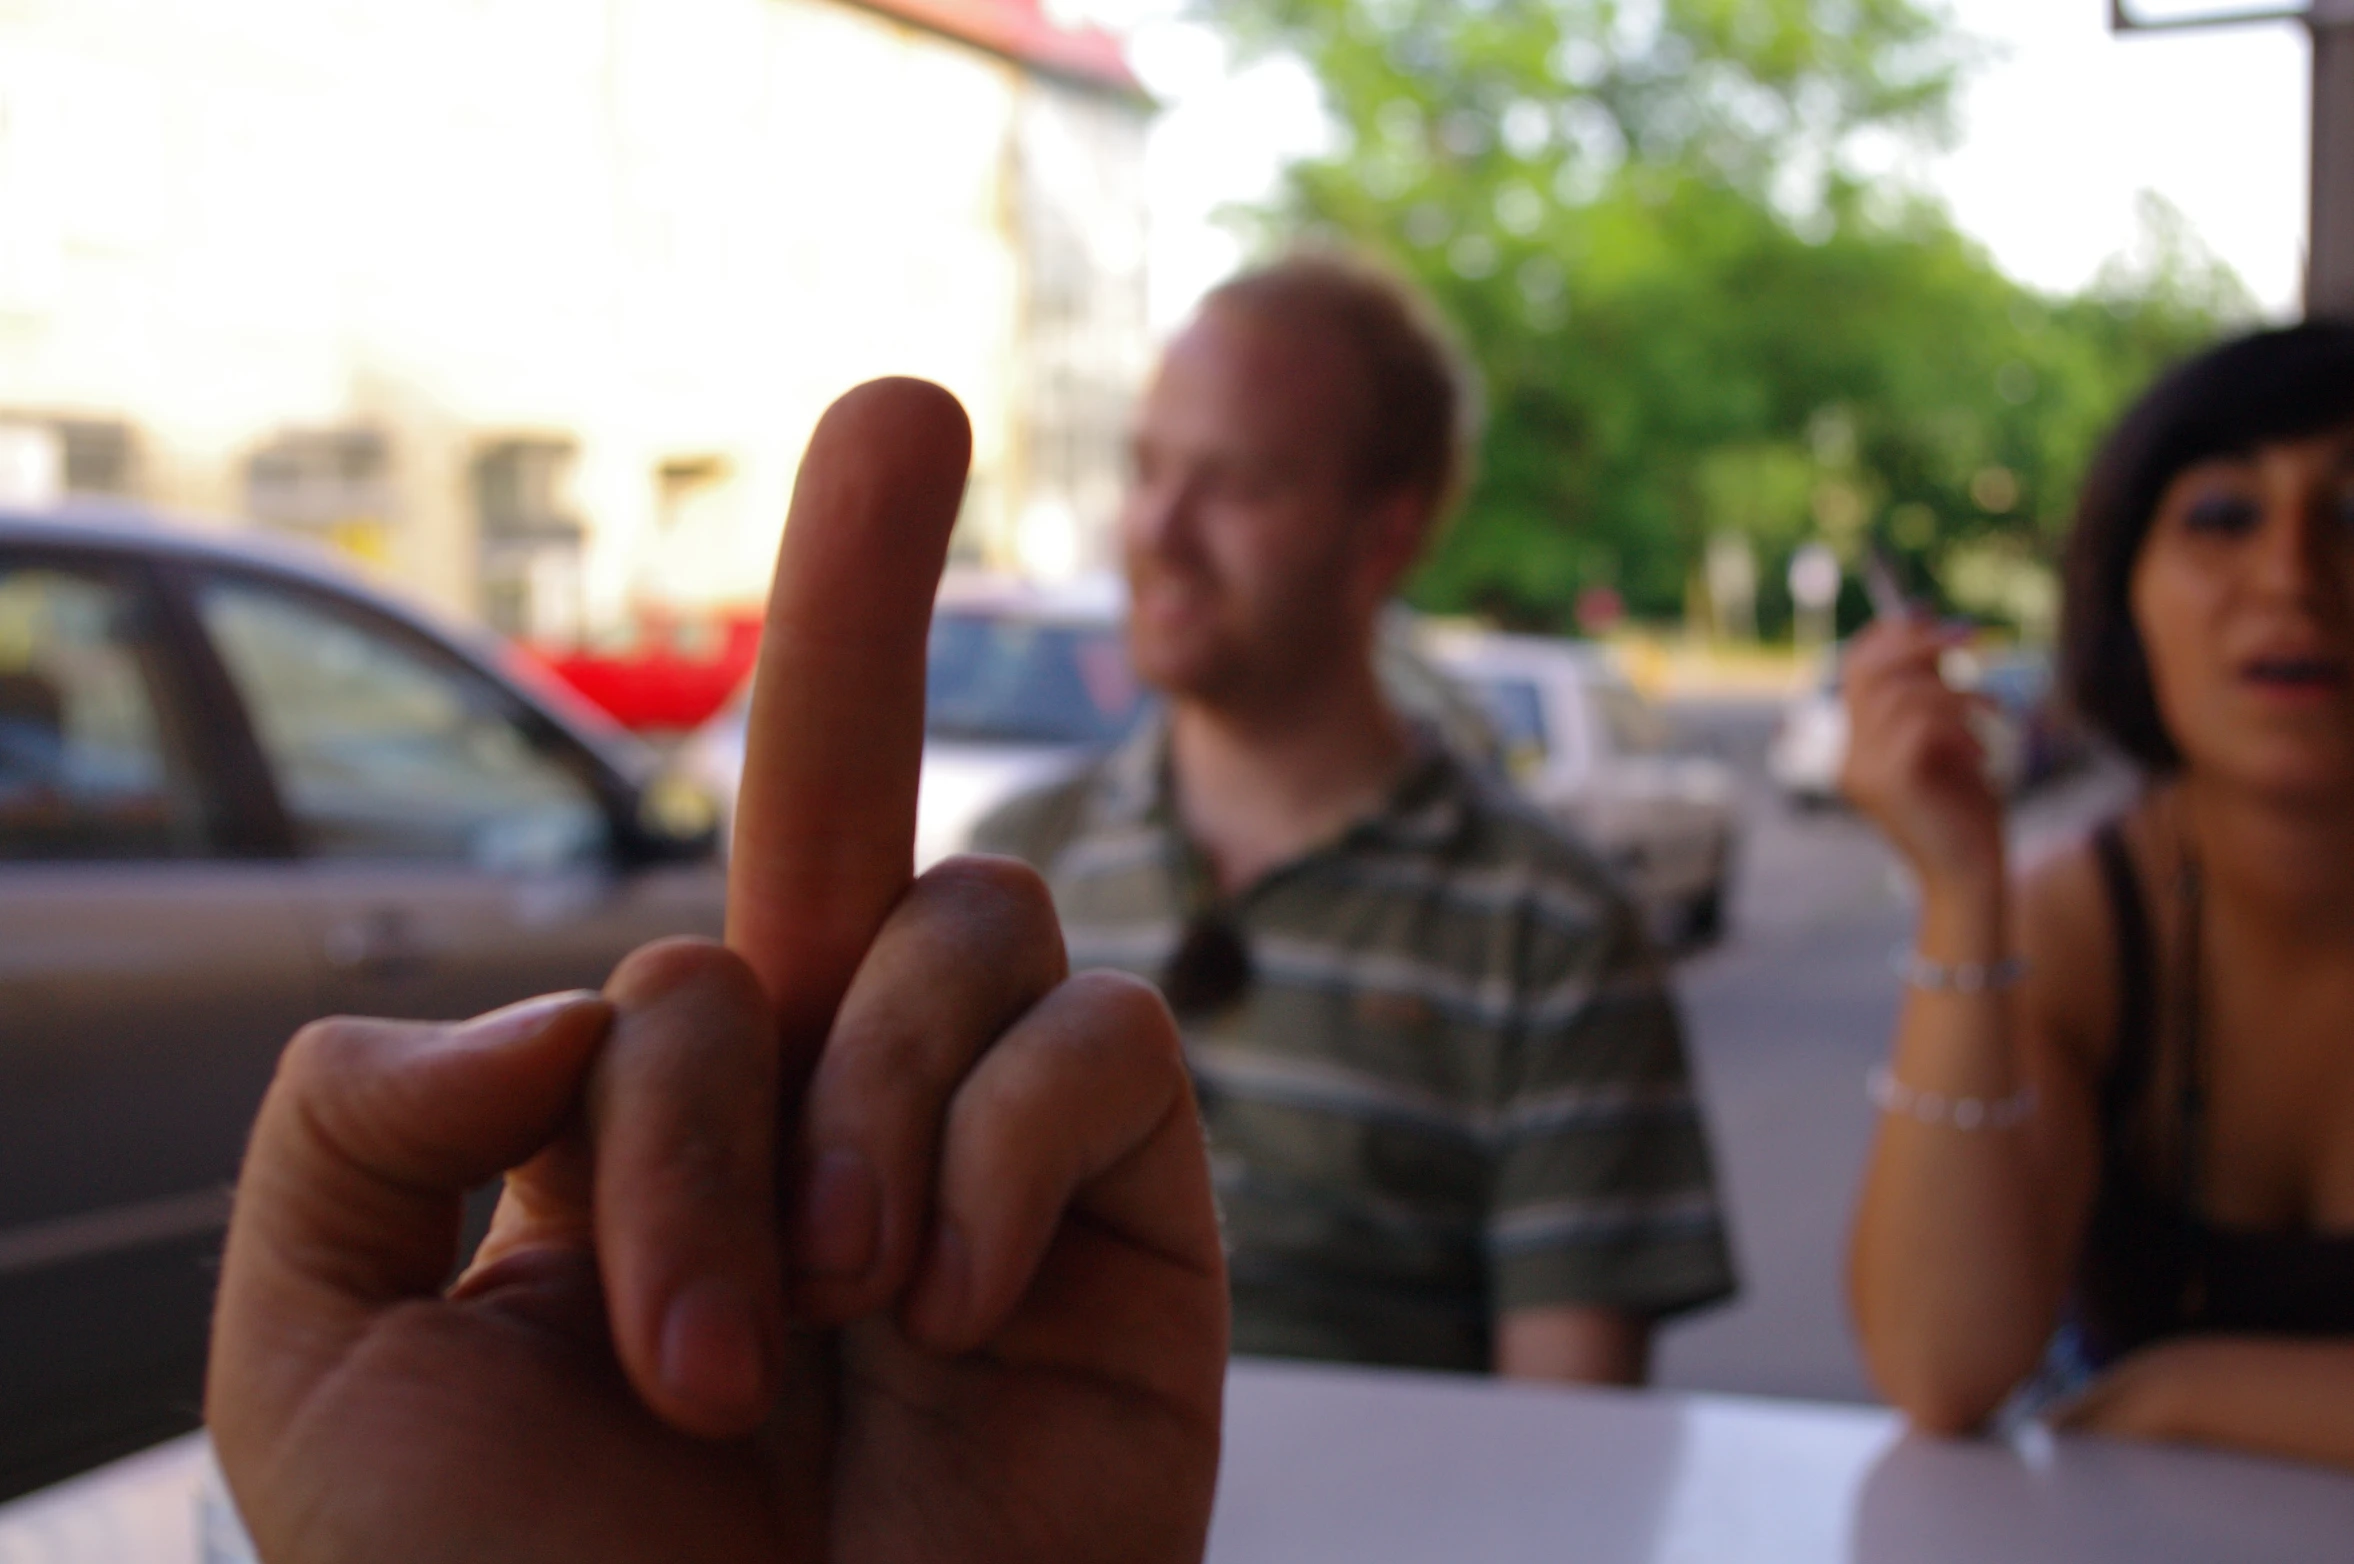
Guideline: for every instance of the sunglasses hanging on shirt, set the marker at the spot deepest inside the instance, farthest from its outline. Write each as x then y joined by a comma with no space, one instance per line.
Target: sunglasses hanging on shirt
1209,972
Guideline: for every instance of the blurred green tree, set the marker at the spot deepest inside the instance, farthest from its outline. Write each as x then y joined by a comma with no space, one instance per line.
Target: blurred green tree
1697,311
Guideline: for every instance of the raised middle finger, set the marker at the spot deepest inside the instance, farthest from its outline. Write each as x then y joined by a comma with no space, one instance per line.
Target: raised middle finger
825,816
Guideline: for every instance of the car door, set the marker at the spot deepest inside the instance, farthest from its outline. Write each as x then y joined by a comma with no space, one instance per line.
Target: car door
1676,840
151,968
459,851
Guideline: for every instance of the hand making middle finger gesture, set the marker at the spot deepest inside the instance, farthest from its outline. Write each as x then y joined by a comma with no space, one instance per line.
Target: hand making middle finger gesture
871,1234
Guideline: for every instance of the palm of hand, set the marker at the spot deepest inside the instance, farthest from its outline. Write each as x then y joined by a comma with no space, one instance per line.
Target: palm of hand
509,1405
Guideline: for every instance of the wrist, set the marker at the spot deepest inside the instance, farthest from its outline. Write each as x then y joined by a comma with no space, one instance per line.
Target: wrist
1965,920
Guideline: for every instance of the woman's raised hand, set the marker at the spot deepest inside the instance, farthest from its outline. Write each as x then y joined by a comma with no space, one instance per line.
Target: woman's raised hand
1913,764
869,1235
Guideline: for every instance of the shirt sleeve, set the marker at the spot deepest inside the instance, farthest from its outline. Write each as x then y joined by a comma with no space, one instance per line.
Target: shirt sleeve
1032,826
1604,1193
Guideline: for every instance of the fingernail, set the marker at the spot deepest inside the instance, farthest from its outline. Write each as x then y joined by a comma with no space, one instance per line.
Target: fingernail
938,1307
505,1027
711,1353
841,1216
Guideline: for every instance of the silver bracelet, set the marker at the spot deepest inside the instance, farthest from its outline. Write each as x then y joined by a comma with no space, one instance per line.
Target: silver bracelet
1960,977
1891,1095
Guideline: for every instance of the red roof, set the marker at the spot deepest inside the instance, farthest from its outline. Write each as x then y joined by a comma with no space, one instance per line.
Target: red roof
1020,30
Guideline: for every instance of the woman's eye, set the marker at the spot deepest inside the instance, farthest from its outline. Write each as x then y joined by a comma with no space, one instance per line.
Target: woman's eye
2222,515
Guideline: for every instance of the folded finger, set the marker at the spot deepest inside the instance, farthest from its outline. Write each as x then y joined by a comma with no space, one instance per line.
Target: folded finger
350,1198
1884,642
971,947
1896,665
1082,1111
682,1116
1934,743
1869,706
549,1202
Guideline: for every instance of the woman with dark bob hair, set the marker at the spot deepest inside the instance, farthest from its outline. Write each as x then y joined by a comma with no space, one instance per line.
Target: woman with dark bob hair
2117,1137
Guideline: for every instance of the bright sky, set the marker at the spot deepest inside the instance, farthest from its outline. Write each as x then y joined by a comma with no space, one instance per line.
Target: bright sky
2061,130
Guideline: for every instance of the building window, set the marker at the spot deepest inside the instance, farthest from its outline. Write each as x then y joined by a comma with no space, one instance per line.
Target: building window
45,457
335,484
530,540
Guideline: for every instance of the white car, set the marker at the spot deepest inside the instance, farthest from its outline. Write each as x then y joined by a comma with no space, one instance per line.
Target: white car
1581,742
1810,744
1023,685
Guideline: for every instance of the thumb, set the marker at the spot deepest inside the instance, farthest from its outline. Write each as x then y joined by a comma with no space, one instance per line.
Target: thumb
350,1198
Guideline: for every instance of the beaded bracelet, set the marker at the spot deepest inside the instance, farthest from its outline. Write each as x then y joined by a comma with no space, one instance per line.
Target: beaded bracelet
1891,1095
1960,977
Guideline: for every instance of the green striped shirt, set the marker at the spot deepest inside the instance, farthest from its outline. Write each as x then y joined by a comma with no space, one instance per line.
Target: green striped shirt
1454,1086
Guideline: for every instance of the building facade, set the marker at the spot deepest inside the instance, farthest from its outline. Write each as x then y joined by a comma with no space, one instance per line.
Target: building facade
532,303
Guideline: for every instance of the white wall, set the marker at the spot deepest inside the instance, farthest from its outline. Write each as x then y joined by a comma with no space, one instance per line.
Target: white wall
660,228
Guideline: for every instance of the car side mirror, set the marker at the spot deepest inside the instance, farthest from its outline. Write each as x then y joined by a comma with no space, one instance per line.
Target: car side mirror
676,820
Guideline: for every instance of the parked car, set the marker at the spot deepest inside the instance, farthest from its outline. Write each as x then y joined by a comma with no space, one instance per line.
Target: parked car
1024,683
2052,739
1585,745
1810,740
662,673
239,789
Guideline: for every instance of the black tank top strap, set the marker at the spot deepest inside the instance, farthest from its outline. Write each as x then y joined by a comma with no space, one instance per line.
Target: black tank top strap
2135,1048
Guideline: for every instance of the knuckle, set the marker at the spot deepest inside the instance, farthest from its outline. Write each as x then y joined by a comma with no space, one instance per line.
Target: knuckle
988,874
990,913
663,968
313,1038
1128,1011
1010,895
322,1051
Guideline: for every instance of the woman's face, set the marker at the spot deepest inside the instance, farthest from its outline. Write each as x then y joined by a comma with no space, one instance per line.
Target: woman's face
2242,594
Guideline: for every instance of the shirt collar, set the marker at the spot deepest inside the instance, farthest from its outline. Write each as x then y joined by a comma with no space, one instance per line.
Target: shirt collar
1425,809
1135,787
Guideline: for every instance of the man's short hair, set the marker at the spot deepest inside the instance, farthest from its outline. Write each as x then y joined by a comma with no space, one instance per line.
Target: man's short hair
1424,404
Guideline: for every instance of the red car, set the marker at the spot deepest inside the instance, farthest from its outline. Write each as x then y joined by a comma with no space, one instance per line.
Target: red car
665,674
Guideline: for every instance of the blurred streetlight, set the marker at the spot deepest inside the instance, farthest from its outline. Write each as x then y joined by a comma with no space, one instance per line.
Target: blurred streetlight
2329,258
1814,594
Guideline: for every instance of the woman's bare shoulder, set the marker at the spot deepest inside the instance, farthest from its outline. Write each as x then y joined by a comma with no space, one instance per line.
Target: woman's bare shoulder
2067,932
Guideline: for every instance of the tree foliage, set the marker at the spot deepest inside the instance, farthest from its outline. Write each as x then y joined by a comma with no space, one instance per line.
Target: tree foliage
1695,311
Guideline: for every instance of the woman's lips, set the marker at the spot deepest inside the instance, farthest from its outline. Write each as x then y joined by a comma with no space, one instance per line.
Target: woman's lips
2296,676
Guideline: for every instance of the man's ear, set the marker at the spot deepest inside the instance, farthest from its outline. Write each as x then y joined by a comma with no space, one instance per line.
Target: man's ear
1396,526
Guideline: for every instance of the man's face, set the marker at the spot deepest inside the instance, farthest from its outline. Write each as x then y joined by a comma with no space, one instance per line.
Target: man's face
1242,532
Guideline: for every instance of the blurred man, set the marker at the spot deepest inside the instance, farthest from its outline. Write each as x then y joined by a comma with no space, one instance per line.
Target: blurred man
1448,1111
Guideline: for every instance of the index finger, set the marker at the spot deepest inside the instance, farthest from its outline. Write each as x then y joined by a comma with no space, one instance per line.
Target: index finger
1888,644
825,816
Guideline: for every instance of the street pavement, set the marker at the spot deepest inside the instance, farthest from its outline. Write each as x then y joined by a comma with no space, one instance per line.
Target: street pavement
1785,1017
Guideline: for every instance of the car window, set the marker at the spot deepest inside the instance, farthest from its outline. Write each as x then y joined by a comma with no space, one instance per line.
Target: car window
1634,727
2018,683
384,751
91,765
1517,708
1011,679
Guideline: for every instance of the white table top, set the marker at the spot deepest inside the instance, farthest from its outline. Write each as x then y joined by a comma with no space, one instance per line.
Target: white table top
1369,1467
